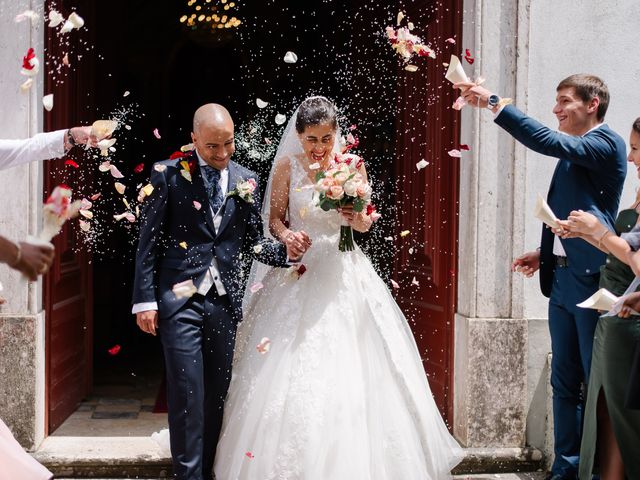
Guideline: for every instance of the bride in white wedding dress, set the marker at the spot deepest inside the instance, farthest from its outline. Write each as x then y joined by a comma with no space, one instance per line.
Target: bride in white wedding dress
341,393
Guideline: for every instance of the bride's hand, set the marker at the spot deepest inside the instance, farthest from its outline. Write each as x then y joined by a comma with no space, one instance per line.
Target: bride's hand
358,221
297,244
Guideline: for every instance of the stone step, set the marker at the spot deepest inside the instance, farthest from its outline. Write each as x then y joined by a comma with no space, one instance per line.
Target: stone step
141,458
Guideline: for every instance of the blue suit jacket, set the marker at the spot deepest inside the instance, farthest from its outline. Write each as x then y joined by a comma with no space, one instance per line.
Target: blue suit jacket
170,218
589,176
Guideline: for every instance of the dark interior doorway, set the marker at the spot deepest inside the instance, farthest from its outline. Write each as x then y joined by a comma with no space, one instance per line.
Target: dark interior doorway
142,62
153,71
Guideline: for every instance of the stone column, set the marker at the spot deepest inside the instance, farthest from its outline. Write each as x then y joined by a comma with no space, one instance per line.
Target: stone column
22,356
492,356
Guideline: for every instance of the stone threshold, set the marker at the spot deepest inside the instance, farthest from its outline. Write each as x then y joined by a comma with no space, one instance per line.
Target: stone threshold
141,458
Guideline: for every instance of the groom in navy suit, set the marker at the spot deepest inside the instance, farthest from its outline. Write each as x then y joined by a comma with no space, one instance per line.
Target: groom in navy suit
589,176
202,224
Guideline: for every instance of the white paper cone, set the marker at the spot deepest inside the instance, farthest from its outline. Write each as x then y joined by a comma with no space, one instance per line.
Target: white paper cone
455,73
603,299
543,212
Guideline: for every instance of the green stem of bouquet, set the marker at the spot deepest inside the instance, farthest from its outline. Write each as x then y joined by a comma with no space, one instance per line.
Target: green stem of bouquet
346,239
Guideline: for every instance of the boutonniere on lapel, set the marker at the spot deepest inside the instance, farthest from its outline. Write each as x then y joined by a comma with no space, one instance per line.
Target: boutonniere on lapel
188,167
244,189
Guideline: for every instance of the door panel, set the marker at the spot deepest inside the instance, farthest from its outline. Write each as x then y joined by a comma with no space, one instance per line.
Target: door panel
68,302
428,200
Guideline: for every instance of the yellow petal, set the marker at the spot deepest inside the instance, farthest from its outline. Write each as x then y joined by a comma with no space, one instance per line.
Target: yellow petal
147,189
120,188
404,233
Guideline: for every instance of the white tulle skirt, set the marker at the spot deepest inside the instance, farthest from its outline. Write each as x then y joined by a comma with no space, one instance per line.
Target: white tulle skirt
15,463
341,394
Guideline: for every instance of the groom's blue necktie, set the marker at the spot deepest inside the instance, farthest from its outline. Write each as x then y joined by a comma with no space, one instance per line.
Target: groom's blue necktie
214,190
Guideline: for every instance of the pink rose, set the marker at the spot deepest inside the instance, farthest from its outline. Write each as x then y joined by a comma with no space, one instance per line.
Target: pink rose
336,192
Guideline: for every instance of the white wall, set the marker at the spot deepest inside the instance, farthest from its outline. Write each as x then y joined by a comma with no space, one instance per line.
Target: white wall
572,37
20,187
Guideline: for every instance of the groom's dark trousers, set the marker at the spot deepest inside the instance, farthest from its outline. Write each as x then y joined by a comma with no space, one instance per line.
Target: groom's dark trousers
198,344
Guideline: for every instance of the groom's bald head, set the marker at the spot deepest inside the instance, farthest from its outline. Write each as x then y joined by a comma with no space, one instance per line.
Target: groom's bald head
211,115
213,134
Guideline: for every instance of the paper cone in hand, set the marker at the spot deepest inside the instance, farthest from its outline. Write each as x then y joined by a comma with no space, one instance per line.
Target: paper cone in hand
603,299
455,73
543,212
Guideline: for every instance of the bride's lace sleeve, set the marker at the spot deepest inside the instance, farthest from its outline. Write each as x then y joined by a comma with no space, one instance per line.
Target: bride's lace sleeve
279,201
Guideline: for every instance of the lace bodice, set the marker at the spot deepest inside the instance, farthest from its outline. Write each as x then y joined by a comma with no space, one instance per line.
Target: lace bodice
304,214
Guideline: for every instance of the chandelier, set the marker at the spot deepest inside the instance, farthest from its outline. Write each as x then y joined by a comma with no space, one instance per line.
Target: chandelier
211,15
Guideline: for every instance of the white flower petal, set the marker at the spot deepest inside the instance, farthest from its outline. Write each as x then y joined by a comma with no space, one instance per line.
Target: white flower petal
55,18
76,20
105,166
411,68
30,14
257,249
67,27
421,164
47,101
261,103
26,85
290,57
184,289
280,119
159,168
455,153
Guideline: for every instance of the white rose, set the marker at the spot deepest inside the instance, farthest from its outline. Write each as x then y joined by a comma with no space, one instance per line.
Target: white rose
350,188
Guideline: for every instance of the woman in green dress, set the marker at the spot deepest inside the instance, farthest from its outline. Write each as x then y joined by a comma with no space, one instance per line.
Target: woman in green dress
608,422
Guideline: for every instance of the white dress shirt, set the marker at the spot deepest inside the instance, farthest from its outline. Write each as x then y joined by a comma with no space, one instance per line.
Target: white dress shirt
212,277
42,146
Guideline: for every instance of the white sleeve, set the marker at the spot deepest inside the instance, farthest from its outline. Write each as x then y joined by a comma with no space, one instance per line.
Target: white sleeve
42,146
143,307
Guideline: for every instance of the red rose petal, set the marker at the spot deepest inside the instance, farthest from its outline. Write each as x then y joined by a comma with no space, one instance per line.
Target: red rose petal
72,163
114,350
139,168
464,147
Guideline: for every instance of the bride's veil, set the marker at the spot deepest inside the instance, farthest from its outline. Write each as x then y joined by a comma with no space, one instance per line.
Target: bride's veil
289,147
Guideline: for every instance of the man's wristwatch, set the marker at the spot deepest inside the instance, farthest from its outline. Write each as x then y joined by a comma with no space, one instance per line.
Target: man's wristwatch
70,139
493,101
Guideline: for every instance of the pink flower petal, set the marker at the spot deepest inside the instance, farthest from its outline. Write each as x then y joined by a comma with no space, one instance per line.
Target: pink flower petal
454,153
451,41
156,133
394,284
264,346
256,287
115,172
415,282
459,103
197,205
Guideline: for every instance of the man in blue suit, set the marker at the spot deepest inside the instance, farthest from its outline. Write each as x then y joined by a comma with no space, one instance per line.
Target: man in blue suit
201,223
589,176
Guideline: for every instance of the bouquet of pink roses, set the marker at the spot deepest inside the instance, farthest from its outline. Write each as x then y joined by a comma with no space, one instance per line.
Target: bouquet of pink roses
342,184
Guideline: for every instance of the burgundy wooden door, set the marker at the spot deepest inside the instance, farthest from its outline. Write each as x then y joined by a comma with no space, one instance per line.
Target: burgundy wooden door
428,200
67,287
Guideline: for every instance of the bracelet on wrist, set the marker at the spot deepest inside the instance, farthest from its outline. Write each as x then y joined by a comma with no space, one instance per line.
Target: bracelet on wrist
603,236
18,256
